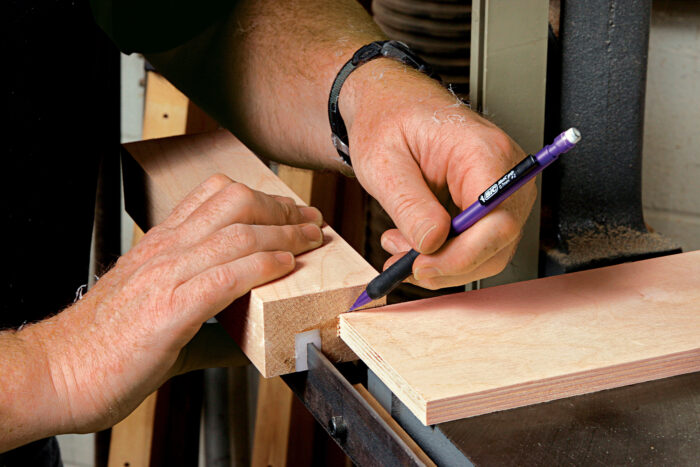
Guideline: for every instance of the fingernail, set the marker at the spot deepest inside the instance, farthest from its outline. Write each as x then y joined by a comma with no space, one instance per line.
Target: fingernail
311,214
426,273
388,245
425,234
285,258
312,232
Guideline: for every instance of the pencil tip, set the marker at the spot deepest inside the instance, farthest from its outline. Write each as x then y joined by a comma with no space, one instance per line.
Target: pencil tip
362,300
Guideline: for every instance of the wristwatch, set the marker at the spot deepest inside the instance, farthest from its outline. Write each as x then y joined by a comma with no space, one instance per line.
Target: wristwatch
390,49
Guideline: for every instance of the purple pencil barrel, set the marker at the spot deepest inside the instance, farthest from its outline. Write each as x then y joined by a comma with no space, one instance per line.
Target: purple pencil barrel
525,171
562,143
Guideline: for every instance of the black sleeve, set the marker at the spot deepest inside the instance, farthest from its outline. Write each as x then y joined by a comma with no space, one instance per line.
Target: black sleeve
151,26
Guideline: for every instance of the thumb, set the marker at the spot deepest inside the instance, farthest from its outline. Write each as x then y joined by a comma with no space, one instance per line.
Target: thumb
398,184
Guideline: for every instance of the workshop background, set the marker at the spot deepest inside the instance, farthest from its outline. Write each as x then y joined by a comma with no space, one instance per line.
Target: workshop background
671,167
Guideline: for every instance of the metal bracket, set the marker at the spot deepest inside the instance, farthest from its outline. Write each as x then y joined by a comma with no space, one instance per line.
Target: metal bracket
347,417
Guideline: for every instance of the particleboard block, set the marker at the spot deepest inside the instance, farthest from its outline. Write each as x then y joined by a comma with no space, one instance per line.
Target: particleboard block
264,323
477,352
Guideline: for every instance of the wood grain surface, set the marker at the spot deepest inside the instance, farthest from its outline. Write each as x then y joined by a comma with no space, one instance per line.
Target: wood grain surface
477,352
324,284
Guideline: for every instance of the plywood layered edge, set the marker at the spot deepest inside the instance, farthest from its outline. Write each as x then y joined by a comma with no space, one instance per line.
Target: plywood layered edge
159,173
494,349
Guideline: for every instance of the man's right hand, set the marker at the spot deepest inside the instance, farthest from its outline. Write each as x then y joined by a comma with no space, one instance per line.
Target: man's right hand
111,349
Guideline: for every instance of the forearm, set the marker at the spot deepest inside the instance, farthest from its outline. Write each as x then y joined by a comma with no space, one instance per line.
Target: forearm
28,403
266,71
55,376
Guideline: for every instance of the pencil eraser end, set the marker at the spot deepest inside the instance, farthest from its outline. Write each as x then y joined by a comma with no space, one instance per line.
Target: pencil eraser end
572,135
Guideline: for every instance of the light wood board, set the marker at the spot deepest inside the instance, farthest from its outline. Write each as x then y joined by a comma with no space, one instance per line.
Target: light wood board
493,349
131,438
165,110
324,284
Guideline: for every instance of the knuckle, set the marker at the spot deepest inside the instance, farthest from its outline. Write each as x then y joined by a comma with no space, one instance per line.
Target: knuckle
224,278
287,201
502,141
404,202
290,233
288,206
123,261
154,241
501,149
155,231
242,193
286,211
157,269
218,181
159,234
241,236
262,265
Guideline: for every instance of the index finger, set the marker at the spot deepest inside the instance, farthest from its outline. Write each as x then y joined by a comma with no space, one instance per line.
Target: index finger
239,204
196,198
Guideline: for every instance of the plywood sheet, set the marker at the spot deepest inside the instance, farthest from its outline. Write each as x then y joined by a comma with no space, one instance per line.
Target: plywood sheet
326,281
477,352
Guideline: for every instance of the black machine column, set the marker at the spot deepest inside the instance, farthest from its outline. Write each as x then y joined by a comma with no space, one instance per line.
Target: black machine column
592,208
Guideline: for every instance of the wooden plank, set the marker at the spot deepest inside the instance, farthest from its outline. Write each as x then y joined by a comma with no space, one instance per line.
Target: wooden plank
168,112
340,199
353,214
326,281
315,188
132,437
299,180
493,349
284,429
165,110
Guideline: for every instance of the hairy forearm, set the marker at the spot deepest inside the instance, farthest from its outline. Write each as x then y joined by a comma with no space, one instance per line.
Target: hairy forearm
55,376
266,71
27,397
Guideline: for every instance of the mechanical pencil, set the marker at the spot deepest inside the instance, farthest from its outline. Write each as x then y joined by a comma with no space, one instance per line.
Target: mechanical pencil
494,195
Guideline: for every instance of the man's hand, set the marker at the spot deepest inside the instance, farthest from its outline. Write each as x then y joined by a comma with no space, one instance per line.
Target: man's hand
415,147
120,342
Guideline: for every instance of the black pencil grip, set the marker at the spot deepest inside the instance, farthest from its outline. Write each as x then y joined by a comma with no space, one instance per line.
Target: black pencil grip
392,277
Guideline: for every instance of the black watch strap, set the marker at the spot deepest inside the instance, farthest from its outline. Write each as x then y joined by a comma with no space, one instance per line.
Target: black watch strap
390,49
